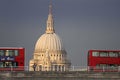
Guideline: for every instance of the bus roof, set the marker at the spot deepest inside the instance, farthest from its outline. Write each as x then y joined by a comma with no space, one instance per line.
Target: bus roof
104,50
11,48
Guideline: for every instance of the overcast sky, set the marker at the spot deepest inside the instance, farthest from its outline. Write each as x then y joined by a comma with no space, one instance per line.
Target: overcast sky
81,24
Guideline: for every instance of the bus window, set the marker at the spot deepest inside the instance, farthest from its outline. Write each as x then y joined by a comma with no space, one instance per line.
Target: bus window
11,53
113,65
1,64
103,54
14,64
7,53
95,53
113,54
16,52
8,64
2,52
103,66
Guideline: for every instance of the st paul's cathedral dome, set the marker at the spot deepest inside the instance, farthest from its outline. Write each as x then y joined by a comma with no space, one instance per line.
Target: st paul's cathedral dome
49,54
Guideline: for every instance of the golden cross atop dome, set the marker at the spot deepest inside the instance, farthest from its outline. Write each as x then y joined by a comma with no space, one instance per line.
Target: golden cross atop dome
50,9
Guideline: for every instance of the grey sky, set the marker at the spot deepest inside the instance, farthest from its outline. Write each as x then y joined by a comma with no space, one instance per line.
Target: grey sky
81,24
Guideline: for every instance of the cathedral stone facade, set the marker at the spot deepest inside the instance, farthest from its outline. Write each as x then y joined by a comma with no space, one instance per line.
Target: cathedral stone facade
49,54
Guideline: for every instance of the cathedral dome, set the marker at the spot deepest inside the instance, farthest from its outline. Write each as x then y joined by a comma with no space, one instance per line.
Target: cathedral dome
51,42
49,54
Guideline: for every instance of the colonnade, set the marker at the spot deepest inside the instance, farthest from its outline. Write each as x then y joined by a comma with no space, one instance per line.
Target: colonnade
50,68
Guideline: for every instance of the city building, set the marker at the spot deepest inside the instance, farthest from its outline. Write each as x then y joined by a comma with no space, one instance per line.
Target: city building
49,53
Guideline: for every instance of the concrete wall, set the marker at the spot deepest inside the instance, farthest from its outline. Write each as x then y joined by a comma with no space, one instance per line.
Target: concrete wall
26,75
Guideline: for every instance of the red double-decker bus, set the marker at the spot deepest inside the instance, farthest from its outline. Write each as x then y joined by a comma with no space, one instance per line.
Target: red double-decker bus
104,60
12,59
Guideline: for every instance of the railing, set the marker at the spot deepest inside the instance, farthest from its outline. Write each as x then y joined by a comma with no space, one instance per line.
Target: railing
92,68
72,68
17,68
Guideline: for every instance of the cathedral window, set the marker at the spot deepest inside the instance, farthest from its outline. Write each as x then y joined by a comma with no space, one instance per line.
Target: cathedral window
59,68
55,67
